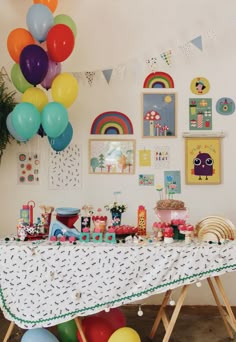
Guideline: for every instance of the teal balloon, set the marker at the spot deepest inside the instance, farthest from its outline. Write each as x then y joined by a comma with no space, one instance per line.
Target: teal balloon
25,120
60,143
18,79
66,20
67,331
54,118
39,20
11,129
38,335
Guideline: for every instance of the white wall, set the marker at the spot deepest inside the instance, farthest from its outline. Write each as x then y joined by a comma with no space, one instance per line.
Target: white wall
121,35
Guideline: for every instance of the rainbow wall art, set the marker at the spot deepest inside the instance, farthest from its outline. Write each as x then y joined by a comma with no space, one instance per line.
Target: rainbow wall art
158,79
112,123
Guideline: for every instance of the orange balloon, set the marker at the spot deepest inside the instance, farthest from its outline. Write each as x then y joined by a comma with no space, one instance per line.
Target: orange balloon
52,4
17,40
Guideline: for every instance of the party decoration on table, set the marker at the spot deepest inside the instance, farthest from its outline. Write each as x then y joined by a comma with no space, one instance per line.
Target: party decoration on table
38,52
225,106
125,334
200,114
116,209
39,335
200,86
28,168
96,329
67,331
215,228
87,211
112,123
142,220
65,168
46,215
158,79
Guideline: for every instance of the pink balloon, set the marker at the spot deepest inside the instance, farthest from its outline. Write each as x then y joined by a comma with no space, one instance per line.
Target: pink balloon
115,317
54,69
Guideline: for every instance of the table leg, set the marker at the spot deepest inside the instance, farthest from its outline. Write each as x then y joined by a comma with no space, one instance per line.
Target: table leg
226,301
220,308
159,314
9,331
79,326
175,313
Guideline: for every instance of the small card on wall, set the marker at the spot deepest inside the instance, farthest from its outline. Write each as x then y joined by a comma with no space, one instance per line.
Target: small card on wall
28,167
145,179
161,157
144,157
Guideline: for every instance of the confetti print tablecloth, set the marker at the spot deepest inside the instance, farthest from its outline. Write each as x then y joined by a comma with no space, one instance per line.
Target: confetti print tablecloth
43,284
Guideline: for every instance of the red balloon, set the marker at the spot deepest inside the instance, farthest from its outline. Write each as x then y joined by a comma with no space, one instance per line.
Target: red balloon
115,317
60,42
96,329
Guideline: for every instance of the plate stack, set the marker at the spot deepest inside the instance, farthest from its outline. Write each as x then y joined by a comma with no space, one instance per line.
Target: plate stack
215,229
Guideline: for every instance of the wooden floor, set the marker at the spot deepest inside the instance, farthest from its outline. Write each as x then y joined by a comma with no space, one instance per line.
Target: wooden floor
195,324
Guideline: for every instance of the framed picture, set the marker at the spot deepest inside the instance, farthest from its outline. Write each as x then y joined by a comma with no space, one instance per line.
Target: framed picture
159,114
202,160
111,156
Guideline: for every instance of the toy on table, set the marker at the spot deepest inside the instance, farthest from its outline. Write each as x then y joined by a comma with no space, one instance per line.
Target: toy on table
142,220
46,216
64,224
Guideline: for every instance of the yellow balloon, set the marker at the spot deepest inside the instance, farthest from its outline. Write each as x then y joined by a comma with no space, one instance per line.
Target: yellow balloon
35,96
125,335
65,89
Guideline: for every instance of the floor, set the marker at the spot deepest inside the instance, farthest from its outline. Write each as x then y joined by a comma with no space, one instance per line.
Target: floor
195,324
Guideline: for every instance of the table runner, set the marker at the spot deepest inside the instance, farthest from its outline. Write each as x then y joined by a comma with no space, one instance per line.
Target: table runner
43,284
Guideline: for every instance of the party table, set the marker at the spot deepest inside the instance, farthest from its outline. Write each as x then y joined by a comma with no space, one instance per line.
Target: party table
43,284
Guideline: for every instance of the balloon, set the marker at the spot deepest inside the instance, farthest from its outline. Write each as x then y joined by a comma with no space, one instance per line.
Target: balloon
67,331
35,96
34,63
54,69
52,4
54,119
18,79
12,130
115,317
39,20
96,329
38,335
16,41
60,42
25,120
125,335
60,143
66,20
65,89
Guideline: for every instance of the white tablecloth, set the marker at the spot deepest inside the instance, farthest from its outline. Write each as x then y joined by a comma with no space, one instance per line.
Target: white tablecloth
43,284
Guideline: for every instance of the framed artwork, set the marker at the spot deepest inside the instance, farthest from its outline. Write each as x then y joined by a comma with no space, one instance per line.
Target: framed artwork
202,160
111,156
200,114
159,114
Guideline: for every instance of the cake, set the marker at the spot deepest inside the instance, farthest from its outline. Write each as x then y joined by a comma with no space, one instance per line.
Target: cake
170,204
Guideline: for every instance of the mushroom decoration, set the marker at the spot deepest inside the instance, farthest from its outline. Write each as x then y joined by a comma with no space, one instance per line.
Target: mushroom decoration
152,116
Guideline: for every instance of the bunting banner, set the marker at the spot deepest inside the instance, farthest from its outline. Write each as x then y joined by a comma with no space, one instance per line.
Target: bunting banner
197,42
152,63
107,74
166,56
90,76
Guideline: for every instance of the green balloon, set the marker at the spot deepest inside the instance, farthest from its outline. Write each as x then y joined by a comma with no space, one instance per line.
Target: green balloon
67,331
18,79
66,20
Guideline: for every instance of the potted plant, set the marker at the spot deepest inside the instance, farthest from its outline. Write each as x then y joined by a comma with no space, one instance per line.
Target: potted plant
7,104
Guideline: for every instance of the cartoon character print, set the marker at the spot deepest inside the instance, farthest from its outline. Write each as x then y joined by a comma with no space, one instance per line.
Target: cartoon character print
203,165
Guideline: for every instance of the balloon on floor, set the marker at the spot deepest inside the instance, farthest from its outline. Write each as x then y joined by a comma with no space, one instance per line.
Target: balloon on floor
38,335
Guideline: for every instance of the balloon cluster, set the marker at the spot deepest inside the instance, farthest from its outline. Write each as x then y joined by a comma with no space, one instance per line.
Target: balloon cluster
38,52
103,327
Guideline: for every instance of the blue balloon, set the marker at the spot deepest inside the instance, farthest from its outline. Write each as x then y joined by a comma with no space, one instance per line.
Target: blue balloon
54,118
25,120
34,63
12,130
60,143
39,20
38,335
